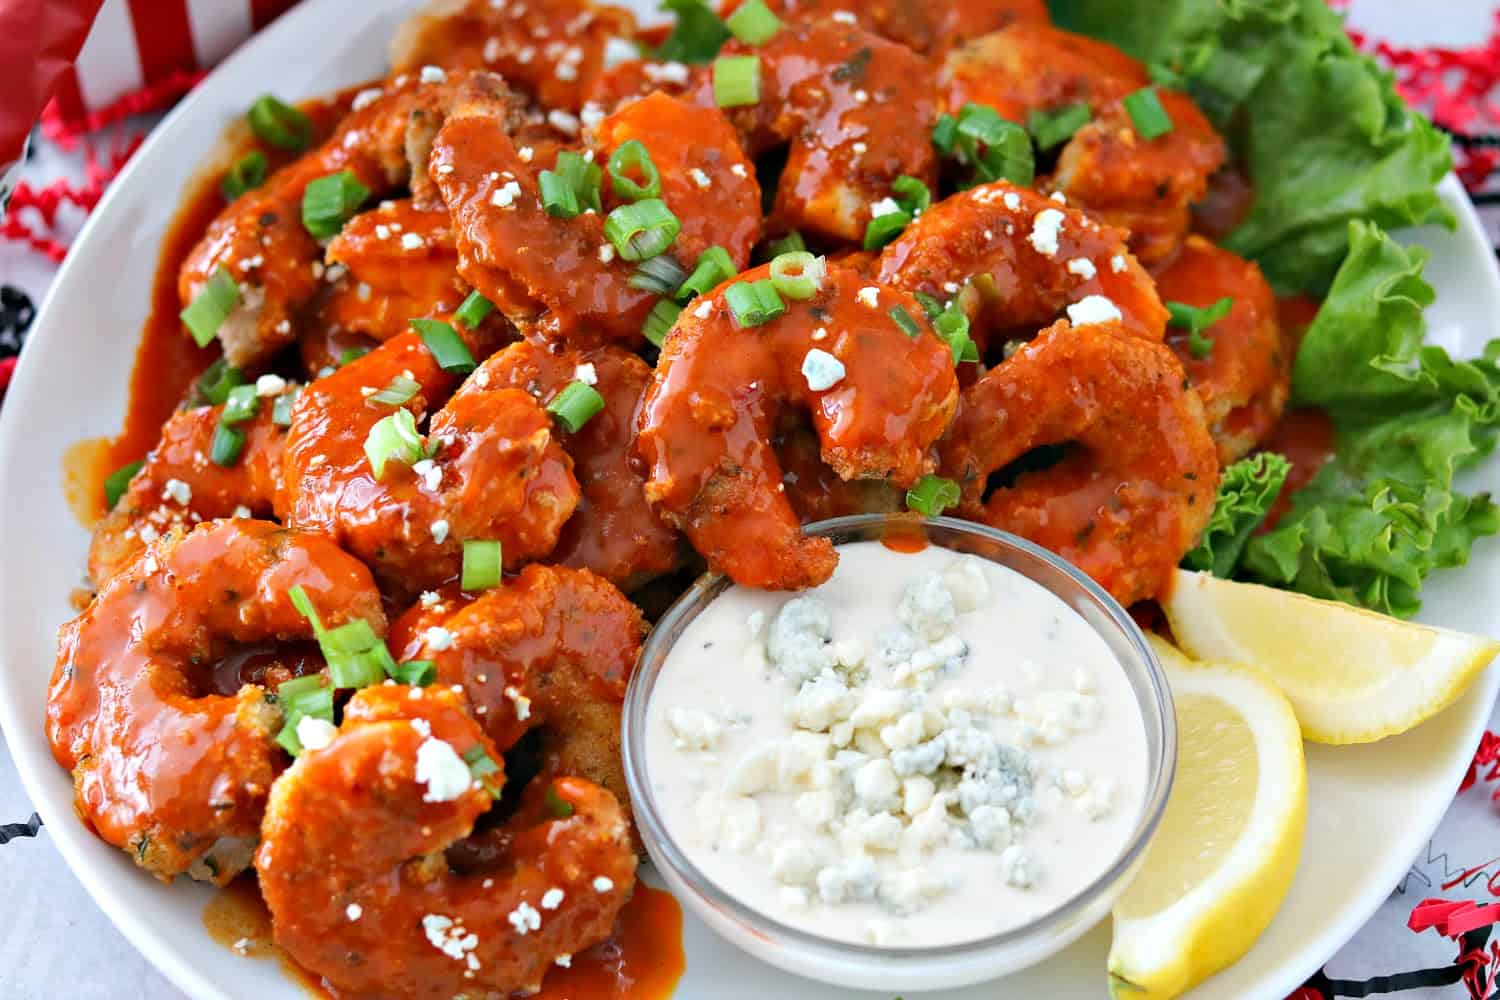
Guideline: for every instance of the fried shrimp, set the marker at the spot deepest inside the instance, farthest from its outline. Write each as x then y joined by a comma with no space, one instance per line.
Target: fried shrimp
552,50
1243,369
163,769
1136,482
854,111
878,398
180,484
260,238
352,863
614,531
495,470
1026,259
1144,186
929,27
552,649
563,275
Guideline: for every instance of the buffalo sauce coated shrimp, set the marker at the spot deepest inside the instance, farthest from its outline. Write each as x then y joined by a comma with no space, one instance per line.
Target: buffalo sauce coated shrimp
1027,258
260,239
1144,186
353,870
1243,373
930,27
498,471
564,275
706,424
551,49
175,776
1137,479
614,531
180,484
551,649
854,110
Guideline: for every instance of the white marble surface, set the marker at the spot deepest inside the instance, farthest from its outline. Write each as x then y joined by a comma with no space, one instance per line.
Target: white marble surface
54,942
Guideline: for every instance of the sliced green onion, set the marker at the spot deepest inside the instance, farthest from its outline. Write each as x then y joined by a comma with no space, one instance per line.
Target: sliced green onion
329,201
903,319
211,306
754,302
798,275
945,134
572,186
998,149
1147,115
558,196
417,673
349,354
481,567
217,379
790,243
642,230
953,327
753,23
242,405
297,594
289,691
393,439
662,275
354,655
913,195
659,323
633,158
398,393
117,482
556,804
281,409
301,698
1052,128
881,229
446,345
575,406
932,495
483,767
247,173
697,36
227,444
1196,320
473,311
280,124
715,267
736,81
931,306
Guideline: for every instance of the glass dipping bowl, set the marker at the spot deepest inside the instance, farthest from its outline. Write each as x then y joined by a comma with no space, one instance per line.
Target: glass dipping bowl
892,969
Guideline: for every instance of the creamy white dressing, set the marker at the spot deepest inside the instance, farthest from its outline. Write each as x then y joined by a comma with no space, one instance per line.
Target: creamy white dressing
791,743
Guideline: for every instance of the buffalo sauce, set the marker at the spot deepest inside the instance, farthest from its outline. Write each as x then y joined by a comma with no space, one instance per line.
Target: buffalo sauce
237,918
1306,438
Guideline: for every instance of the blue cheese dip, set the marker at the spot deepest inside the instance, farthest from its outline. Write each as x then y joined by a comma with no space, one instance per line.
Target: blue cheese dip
928,749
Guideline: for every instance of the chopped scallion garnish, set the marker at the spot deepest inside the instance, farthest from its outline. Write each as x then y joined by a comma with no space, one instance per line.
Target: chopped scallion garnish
571,187
661,275
356,655
301,698
398,392
798,275
446,345
904,320
393,439
715,267
754,302
483,767
1196,320
1052,128
211,306
736,81
227,444
473,311
629,161
753,23
117,482
217,379
330,201
932,495
659,323
481,566
790,243
930,305
417,673
575,406
996,148
280,124
698,35
881,229
350,354
247,173
241,405
556,804
953,327
281,409
912,194
1150,119
945,134
642,230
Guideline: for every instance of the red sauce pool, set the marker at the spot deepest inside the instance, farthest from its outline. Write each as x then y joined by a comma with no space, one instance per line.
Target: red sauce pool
1306,437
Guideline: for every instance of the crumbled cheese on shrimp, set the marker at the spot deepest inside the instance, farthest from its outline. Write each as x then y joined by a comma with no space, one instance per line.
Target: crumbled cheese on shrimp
442,770
438,638
1045,229
822,370
1092,309
314,733
1083,267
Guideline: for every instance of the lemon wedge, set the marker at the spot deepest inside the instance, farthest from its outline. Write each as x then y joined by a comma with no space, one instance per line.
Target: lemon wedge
1224,856
1352,676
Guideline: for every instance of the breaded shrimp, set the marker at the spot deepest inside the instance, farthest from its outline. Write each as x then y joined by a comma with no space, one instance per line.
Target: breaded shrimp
1144,186
1028,259
614,531
706,423
260,239
855,112
179,484
498,472
1245,374
552,50
1136,483
176,777
929,27
352,868
816,492
552,649
560,276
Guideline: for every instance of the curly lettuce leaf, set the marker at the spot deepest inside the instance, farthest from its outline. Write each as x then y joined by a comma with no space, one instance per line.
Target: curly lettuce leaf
1318,125
1247,490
